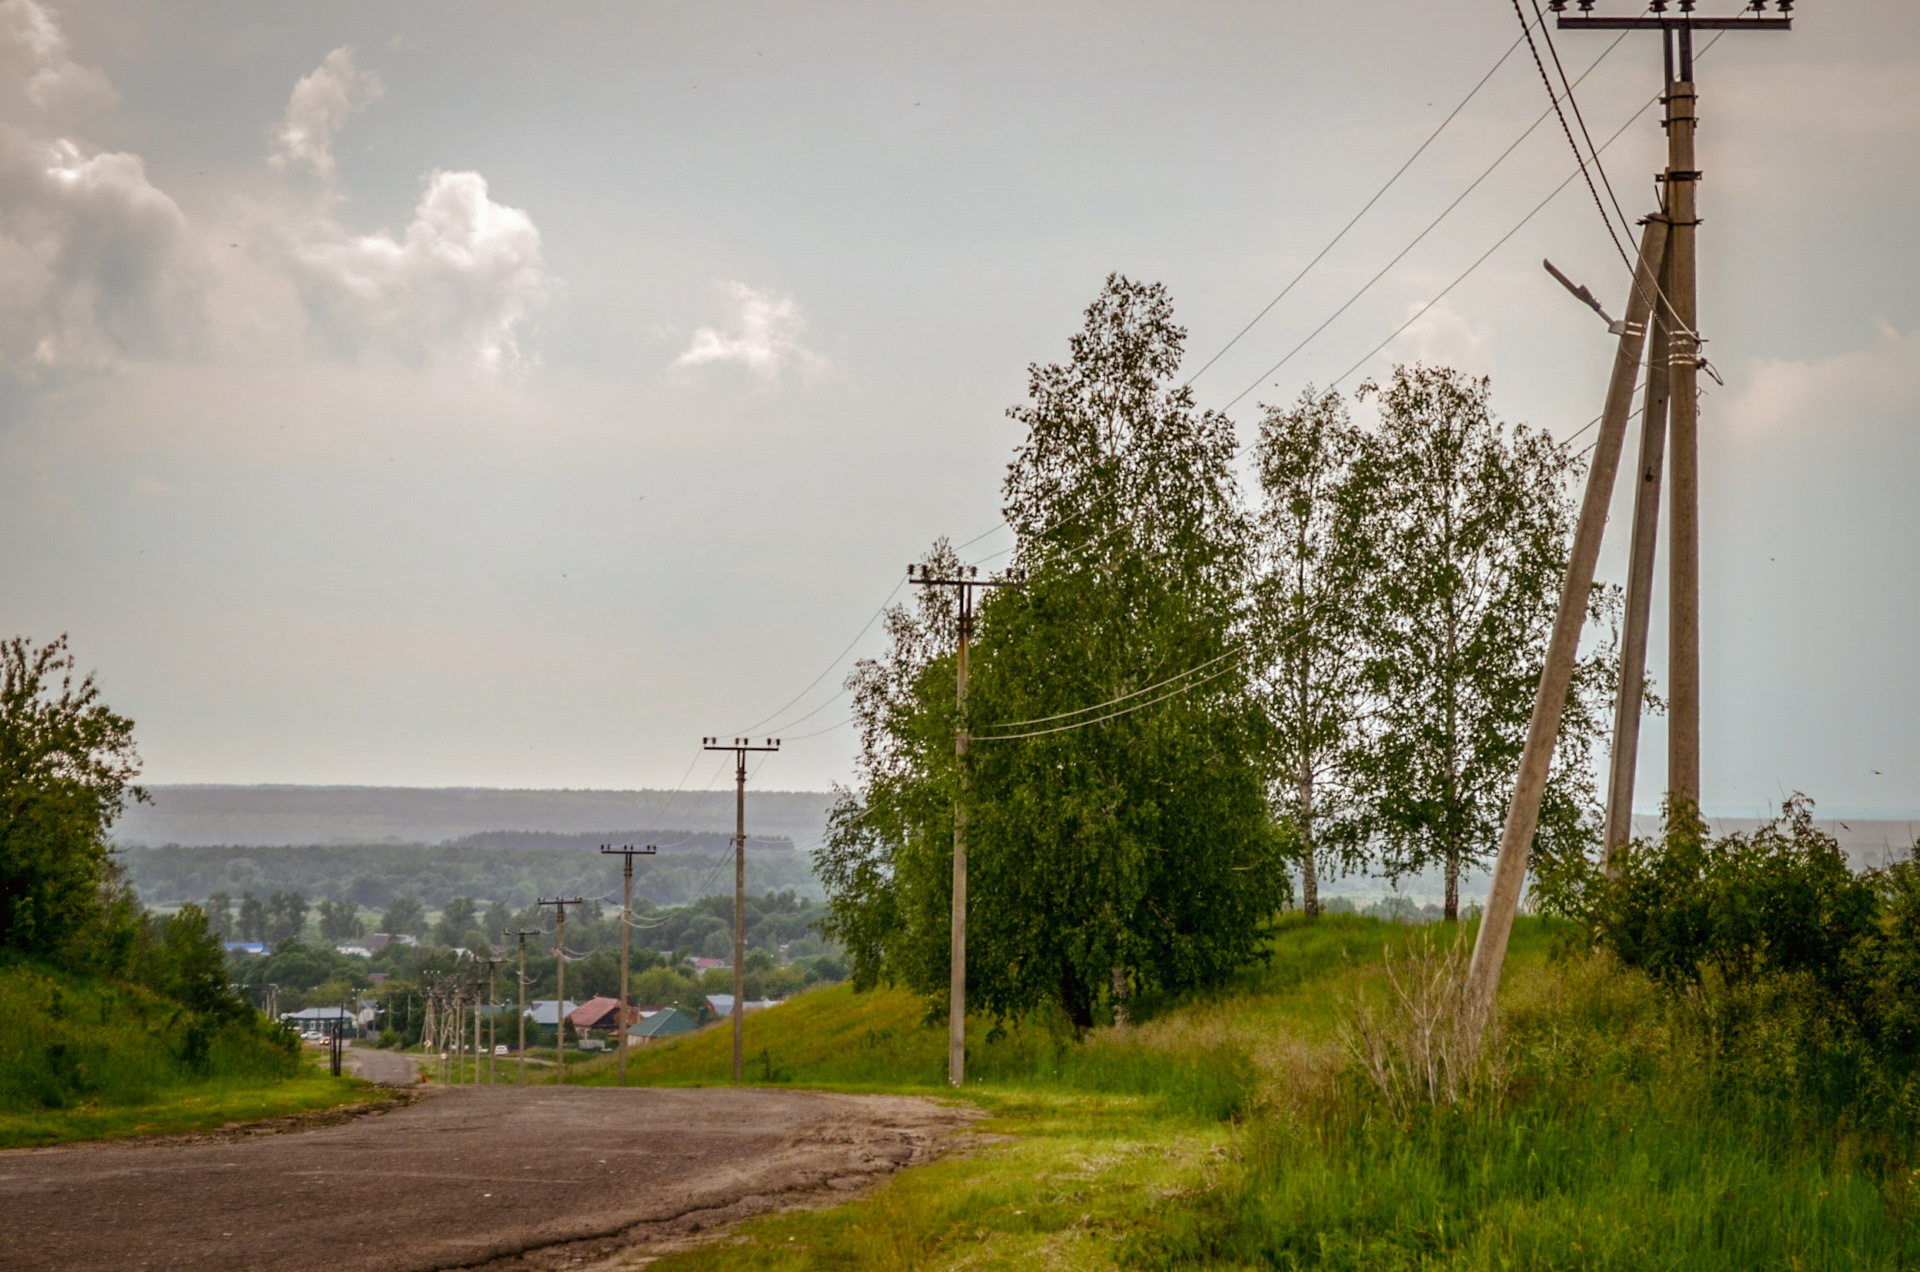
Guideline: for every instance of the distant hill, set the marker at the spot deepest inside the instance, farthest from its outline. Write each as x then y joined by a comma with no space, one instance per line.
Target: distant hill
285,816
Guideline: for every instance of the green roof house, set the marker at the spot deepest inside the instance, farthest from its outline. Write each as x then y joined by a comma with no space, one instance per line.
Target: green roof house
664,1023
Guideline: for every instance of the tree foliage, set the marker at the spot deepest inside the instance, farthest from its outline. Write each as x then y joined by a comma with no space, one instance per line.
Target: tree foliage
67,764
1469,522
1111,851
1312,623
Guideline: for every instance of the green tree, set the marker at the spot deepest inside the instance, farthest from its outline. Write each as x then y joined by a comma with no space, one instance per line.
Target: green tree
1113,849
405,917
1470,528
67,765
286,917
191,966
1311,623
253,918
219,910
456,920
340,921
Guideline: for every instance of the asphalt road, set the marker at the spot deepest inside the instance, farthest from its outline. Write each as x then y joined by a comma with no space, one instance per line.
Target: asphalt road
388,1068
501,1178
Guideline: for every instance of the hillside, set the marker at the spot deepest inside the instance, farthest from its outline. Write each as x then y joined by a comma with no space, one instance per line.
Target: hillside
83,1057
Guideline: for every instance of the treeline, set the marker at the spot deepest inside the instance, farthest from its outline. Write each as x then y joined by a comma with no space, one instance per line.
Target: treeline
68,916
1188,694
374,876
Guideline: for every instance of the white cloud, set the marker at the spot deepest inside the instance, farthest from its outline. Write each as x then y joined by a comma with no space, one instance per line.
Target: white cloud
96,264
1443,336
39,80
1836,396
766,338
459,282
321,103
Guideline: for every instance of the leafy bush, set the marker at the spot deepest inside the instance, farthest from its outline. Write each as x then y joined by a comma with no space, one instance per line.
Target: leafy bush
1804,974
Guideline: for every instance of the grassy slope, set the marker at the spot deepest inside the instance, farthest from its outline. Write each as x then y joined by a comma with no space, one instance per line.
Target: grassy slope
1603,1152
82,1058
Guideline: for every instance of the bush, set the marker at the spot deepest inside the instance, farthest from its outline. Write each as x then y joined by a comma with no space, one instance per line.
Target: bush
1804,974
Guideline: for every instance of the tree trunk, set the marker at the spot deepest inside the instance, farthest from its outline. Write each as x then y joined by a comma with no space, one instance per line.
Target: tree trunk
1453,883
1309,871
1121,1016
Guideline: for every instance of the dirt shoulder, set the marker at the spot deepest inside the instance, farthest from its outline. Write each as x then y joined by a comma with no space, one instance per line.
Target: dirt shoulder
462,1178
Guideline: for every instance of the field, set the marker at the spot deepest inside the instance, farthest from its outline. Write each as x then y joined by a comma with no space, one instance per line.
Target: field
1605,1132
82,1058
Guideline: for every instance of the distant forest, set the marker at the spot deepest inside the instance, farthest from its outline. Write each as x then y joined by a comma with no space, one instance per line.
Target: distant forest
512,868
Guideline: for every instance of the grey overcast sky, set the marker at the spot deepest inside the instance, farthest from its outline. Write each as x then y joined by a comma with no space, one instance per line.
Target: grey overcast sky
489,394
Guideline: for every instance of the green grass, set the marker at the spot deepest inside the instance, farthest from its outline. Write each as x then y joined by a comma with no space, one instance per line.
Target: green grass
1232,1132
86,1058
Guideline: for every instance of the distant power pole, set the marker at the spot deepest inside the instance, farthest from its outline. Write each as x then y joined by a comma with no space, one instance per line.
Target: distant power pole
560,905
523,934
490,964
966,580
1663,282
739,747
628,852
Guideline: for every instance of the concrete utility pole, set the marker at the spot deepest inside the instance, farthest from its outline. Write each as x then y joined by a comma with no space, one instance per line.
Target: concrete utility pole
966,580
560,905
739,747
1666,261
628,852
523,934
1631,692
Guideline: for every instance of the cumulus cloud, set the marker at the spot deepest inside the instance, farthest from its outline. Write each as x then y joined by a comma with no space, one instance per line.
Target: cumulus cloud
457,284
96,264
39,80
320,105
766,337
459,280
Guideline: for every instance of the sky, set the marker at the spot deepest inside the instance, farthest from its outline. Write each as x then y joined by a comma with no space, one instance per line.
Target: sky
508,395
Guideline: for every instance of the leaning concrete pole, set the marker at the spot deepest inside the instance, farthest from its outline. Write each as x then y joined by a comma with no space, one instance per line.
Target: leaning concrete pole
1523,812
1629,700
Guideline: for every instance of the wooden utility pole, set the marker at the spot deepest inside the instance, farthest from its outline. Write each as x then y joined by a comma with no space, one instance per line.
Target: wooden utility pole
628,852
739,747
966,580
560,905
1670,235
523,934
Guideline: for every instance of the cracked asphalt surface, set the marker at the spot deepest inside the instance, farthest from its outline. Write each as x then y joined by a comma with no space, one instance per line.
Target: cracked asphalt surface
476,1177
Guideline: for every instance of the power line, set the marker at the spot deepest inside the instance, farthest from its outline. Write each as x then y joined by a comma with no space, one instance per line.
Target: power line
1377,195
1101,706
1498,244
760,723
1579,117
1417,239
1526,32
1081,724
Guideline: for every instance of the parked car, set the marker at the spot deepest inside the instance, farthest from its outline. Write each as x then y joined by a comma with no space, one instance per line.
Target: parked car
500,1049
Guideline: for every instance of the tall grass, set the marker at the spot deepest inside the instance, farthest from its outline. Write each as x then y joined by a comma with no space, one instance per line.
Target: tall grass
68,1040
1617,1133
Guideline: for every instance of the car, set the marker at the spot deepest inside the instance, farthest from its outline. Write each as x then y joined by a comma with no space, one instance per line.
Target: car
500,1049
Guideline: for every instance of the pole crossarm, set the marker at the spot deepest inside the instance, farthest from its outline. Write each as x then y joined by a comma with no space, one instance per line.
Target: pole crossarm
1683,23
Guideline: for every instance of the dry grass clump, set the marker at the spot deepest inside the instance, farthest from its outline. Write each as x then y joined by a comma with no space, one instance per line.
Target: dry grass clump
1425,1044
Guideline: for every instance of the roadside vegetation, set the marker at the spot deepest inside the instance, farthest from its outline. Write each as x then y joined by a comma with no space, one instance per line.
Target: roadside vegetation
113,1020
